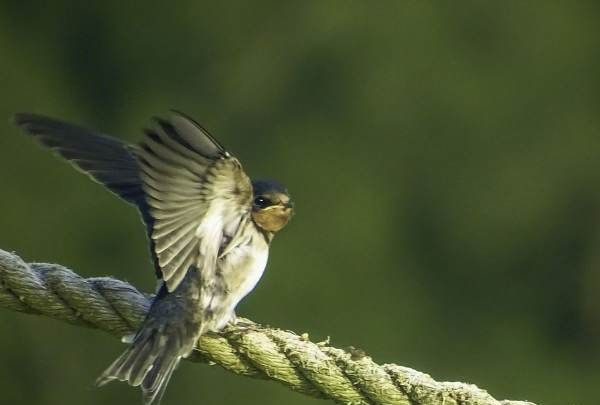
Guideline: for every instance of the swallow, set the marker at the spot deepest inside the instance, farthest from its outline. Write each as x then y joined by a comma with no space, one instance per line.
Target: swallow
209,229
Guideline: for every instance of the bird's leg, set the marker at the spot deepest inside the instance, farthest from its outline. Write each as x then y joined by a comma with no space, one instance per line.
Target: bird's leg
233,318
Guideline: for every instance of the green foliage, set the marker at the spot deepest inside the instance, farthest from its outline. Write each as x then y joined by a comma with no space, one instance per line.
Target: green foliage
443,159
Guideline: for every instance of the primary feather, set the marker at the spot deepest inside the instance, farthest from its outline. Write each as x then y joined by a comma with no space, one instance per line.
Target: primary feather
105,159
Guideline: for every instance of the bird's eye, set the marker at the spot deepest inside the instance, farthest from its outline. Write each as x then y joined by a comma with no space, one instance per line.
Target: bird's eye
262,202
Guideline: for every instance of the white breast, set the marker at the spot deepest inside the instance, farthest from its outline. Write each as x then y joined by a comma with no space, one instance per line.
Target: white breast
242,268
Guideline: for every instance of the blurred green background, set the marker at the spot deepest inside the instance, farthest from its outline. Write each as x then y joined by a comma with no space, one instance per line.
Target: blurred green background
444,159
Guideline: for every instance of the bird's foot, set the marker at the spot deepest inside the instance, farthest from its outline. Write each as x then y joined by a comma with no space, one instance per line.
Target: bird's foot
241,325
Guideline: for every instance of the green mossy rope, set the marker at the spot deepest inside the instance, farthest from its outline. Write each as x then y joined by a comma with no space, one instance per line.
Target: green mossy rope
253,350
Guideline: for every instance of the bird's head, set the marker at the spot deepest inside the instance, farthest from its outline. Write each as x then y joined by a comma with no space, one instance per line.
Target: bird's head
272,206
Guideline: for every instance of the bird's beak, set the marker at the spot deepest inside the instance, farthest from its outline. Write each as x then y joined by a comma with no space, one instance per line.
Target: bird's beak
286,205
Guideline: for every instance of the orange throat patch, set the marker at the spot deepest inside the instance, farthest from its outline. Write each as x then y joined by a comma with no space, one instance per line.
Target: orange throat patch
272,219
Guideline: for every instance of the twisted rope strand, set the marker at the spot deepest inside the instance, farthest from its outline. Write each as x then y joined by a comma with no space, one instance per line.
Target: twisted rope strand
250,349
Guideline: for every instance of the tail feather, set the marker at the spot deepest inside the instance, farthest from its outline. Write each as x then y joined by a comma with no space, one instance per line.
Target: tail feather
157,378
169,332
149,362
141,363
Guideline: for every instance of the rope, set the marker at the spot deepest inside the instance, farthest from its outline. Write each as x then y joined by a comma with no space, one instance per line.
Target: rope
316,369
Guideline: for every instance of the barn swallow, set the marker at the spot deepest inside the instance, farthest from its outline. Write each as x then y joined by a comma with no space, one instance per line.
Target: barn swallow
209,229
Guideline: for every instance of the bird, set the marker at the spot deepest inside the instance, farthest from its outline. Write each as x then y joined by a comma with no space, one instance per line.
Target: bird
209,228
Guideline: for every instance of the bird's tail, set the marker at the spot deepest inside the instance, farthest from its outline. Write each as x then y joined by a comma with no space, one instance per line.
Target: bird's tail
165,337
149,362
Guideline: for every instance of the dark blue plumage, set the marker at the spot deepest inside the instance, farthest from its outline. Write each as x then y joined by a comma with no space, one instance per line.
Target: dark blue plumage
105,159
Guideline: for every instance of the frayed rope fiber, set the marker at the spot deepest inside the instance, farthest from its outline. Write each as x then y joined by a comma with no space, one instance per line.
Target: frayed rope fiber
316,369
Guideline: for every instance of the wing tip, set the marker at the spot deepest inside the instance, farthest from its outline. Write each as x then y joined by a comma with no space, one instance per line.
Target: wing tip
23,120
33,124
179,114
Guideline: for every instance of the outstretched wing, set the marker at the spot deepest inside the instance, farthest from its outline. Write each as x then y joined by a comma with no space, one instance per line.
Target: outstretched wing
105,159
197,195
190,191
